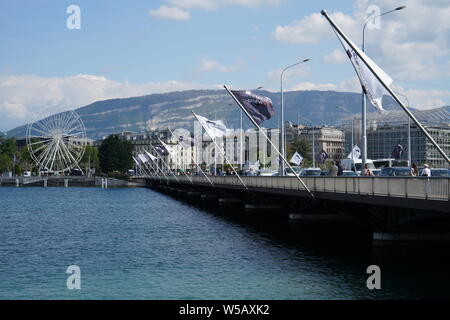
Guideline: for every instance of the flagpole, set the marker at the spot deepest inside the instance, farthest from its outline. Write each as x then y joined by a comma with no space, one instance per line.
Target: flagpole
184,172
164,164
223,154
271,143
396,98
192,158
157,167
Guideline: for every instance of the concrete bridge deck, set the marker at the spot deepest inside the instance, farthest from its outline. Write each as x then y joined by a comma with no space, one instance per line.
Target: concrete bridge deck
431,194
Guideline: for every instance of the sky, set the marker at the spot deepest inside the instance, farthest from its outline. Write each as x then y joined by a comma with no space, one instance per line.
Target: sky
132,48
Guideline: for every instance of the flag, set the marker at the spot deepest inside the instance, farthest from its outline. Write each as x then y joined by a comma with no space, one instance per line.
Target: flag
161,150
260,108
150,156
215,129
142,158
136,161
296,159
169,150
397,152
186,141
321,157
355,153
372,87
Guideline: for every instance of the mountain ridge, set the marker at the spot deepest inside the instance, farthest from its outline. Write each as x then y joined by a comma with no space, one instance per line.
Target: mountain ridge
173,109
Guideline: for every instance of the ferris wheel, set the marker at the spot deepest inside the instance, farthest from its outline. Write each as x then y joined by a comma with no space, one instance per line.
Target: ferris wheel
57,142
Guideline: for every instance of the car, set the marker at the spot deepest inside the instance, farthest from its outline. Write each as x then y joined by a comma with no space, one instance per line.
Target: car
311,172
396,172
356,165
267,173
376,172
440,172
349,173
27,173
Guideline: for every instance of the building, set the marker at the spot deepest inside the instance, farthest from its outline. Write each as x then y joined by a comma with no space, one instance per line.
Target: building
381,141
326,138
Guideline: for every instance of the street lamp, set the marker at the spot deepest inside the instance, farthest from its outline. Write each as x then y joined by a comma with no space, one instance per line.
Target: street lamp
313,139
409,129
363,111
282,133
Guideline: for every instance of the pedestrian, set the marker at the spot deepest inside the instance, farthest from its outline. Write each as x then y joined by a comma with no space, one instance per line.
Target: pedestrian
333,170
414,170
340,169
367,172
426,172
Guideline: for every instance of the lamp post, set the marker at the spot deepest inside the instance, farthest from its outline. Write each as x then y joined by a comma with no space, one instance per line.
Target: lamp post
409,130
363,111
313,140
282,130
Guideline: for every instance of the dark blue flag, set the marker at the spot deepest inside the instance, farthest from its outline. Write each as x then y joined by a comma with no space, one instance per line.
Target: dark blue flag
260,108
161,150
397,152
321,157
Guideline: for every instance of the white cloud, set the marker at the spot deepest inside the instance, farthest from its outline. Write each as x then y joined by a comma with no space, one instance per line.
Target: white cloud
173,13
336,56
208,65
22,97
312,28
215,4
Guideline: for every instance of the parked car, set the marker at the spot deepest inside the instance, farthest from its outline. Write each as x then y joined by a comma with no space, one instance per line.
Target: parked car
312,172
396,172
348,173
267,173
376,172
27,173
440,172
356,165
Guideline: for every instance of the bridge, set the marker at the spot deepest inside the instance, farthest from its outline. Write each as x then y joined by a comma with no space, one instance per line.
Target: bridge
386,205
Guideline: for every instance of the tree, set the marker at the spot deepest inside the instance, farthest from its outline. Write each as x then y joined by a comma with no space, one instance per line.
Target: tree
90,157
115,154
5,162
301,146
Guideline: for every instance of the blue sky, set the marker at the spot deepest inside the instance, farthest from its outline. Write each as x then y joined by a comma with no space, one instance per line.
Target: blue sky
139,47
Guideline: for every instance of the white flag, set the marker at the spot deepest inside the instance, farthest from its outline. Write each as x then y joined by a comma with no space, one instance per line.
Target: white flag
215,129
296,159
150,156
355,153
170,150
373,88
142,158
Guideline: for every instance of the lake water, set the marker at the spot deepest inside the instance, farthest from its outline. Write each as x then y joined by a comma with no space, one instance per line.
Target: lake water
140,244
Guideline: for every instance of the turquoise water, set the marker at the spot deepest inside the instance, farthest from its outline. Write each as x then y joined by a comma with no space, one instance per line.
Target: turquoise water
139,244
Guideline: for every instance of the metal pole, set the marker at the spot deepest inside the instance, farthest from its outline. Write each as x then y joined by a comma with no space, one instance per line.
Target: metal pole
271,143
409,142
241,146
364,102
165,164
313,141
176,162
410,115
223,154
192,158
282,129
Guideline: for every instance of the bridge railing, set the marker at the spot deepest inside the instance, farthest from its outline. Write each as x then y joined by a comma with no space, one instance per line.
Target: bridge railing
402,187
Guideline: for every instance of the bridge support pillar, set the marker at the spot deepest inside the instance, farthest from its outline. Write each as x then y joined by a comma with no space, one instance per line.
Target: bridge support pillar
45,183
17,183
66,183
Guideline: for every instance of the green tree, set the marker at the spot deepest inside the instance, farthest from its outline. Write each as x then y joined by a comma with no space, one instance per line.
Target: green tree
5,162
115,154
90,157
303,147
8,146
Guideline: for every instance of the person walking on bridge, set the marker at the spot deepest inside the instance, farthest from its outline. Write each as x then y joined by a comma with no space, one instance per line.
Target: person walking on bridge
367,172
333,170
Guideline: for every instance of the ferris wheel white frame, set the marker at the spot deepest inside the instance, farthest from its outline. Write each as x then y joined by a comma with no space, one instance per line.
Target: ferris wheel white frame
50,142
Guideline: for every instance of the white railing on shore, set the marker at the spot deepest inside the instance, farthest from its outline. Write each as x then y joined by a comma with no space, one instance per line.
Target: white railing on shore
407,187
